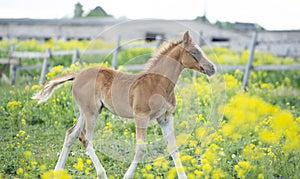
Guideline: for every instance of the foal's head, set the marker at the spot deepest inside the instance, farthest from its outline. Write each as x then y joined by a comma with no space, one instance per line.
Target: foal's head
192,57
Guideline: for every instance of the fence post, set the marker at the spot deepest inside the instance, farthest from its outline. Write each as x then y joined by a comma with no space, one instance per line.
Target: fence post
45,66
158,39
249,66
114,61
75,56
13,67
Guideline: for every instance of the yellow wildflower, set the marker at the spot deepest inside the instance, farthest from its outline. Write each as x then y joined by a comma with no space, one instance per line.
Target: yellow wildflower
22,132
27,88
242,168
34,87
191,176
200,132
79,164
88,161
60,174
218,174
269,136
260,176
23,121
148,167
207,168
43,168
13,104
27,154
20,171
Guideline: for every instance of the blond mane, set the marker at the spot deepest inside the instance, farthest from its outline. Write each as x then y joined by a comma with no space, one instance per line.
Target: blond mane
162,50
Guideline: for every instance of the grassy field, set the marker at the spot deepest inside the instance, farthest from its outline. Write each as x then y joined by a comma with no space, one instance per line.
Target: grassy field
222,131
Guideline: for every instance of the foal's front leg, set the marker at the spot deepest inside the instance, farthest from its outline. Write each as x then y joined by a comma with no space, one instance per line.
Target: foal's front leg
141,124
167,126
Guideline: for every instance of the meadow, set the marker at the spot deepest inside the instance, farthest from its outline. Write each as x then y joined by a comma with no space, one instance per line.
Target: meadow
221,130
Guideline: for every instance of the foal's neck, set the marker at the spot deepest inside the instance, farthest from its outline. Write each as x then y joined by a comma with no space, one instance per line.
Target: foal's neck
167,65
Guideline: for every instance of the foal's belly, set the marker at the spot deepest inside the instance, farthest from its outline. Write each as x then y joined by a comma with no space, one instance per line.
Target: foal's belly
117,109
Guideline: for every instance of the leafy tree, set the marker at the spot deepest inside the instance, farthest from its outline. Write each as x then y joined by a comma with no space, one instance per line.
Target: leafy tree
98,12
78,11
202,18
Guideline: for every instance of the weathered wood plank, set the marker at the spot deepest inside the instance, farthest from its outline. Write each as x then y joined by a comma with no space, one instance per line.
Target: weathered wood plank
9,61
277,67
32,67
31,55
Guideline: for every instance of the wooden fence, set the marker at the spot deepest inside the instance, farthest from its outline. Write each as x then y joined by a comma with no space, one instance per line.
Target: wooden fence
15,58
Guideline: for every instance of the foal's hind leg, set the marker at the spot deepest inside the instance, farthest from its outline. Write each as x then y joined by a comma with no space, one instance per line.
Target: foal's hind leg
71,136
86,139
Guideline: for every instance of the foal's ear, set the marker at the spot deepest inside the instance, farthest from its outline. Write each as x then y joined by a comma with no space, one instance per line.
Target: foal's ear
186,38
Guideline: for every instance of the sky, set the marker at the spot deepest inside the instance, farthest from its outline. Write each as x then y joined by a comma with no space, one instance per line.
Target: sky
271,14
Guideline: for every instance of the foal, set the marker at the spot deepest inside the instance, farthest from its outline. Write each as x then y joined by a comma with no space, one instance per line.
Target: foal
143,96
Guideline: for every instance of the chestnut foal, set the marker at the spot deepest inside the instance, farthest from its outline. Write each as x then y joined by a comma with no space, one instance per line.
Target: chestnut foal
143,96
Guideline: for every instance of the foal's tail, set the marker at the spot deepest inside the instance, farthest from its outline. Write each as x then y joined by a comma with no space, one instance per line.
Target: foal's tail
52,85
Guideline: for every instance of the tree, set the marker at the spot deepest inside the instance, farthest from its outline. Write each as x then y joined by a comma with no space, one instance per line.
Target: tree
98,12
78,11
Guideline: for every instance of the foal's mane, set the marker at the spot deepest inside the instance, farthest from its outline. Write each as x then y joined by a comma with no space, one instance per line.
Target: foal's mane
162,50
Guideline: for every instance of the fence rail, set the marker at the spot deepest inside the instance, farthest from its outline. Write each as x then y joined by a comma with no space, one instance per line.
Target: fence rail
15,58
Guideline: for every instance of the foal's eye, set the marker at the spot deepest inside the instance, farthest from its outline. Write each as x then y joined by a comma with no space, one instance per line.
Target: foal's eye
194,52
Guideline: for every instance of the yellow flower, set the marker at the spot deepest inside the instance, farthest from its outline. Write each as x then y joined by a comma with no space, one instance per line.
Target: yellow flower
60,174
172,173
148,167
242,168
198,173
22,132
87,171
200,118
36,87
13,104
148,176
269,136
191,176
244,164
23,121
79,164
88,161
27,154
162,163
207,168
267,85
43,168
20,171
260,176
184,124
282,120
200,132
218,173
27,88
186,158
55,71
